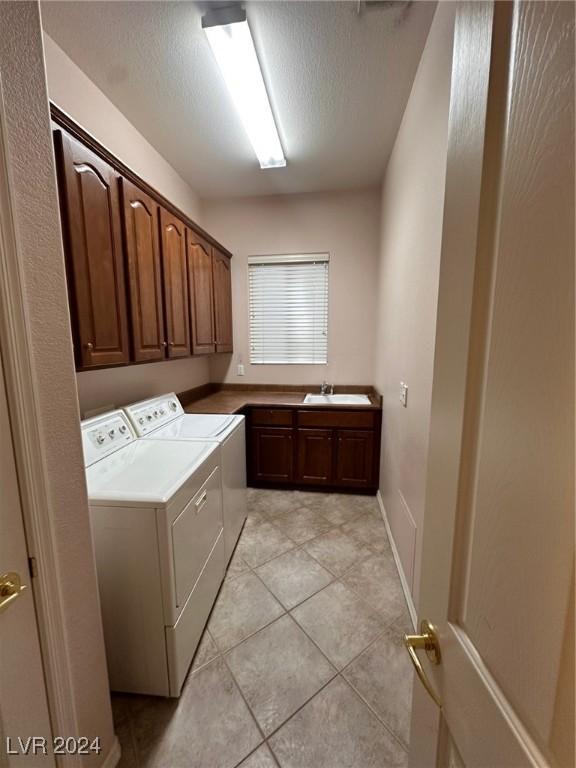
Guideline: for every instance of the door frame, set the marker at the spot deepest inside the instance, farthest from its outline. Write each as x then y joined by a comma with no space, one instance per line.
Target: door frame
22,395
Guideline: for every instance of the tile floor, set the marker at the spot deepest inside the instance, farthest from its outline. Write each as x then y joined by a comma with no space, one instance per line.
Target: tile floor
301,664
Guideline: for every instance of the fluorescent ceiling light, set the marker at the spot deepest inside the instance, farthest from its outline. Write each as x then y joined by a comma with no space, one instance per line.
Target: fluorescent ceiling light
235,53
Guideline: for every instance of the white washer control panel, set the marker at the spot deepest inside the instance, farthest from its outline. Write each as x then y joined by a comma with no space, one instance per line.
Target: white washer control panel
105,434
148,415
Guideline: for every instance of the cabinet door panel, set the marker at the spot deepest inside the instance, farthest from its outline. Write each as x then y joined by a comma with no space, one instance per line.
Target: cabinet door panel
173,241
315,456
272,455
222,301
355,459
200,280
144,273
92,233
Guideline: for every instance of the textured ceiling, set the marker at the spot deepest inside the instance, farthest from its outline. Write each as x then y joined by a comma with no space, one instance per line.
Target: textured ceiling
338,81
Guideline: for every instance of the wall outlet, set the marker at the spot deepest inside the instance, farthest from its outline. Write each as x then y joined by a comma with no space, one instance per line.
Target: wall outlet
404,394
240,369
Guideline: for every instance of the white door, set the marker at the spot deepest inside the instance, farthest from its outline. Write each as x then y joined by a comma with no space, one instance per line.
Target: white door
23,703
498,537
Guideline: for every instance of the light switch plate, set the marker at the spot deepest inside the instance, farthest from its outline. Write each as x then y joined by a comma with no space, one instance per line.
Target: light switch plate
240,369
404,394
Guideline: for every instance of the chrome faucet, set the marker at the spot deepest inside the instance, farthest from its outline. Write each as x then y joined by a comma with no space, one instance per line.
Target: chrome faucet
326,389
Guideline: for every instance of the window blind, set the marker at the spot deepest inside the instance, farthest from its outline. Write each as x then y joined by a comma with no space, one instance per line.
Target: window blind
288,308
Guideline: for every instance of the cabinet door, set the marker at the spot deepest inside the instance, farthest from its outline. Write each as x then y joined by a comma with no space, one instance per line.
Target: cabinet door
92,235
221,269
272,455
355,459
315,456
144,273
173,241
200,280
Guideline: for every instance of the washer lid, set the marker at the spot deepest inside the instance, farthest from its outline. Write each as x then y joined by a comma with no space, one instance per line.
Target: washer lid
145,472
202,426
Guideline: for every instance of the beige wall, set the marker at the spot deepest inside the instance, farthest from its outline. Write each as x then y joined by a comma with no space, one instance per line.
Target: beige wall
346,225
107,387
77,95
36,220
411,227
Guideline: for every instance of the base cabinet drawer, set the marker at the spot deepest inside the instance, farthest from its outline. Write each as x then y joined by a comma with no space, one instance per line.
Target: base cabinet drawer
272,417
314,456
355,458
272,455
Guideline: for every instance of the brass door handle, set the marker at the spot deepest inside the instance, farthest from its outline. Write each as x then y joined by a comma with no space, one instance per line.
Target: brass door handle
427,640
11,587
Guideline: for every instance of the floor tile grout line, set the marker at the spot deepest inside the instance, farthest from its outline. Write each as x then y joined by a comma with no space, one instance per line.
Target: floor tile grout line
330,663
323,652
369,604
249,755
376,715
301,707
288,611
245,700
335,577
274,755
222,654
303,544
247,637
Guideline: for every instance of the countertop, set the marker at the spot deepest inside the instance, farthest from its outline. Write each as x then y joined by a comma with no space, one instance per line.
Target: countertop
233,401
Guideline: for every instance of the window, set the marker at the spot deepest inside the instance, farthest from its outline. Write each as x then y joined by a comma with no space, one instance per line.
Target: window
288,308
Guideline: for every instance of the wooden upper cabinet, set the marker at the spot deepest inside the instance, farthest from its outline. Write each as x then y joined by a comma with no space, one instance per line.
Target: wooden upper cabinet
200,280
93,240
144,273
221,270
173,242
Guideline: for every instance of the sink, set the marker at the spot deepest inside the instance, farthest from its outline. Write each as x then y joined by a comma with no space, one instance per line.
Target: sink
311,399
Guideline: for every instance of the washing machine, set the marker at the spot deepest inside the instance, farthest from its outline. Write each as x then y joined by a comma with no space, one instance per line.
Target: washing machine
157,525
163,418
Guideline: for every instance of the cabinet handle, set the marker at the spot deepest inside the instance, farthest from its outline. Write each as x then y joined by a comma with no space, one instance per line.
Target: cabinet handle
171,343
89,346
163,344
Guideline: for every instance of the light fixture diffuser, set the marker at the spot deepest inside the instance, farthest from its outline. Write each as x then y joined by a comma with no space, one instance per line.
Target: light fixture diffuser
233,48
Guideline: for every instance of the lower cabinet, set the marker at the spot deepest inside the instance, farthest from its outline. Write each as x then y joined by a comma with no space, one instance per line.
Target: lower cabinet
334,453
314,456
272,453
355,458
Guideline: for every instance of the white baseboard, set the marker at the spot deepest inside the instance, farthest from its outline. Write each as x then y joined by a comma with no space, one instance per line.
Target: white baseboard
403,581
113,757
